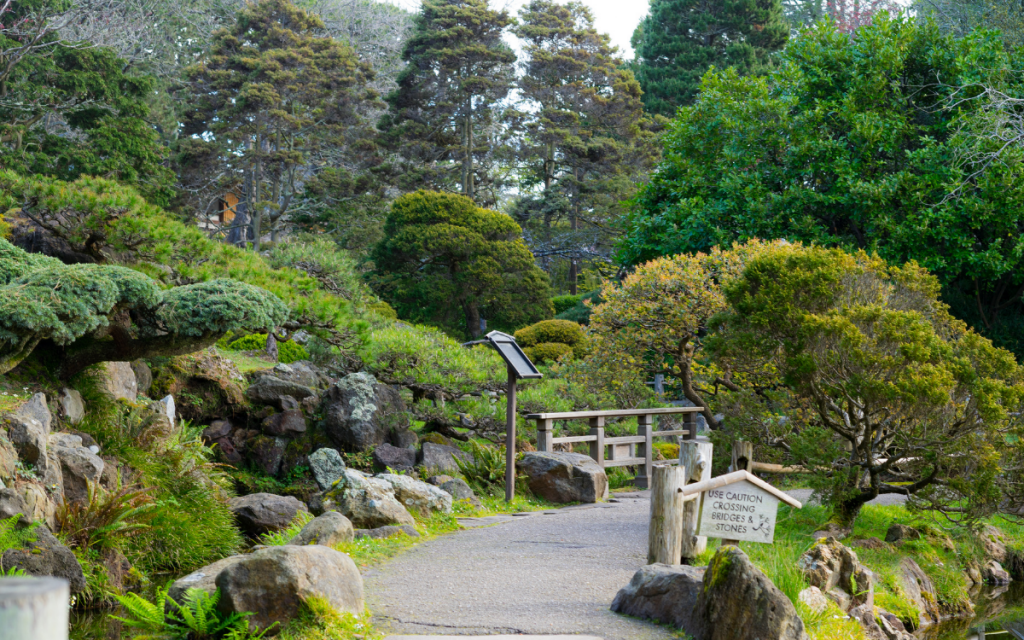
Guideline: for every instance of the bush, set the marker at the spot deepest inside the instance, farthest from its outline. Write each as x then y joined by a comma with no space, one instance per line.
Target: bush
564,303
580,313
552,331
287,352
383,310
547,352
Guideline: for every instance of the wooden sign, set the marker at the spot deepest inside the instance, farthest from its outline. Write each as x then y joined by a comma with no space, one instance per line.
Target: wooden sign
739,506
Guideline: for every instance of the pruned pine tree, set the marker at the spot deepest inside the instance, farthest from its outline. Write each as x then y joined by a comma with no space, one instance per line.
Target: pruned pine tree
275,95
681,39
445,114
586,136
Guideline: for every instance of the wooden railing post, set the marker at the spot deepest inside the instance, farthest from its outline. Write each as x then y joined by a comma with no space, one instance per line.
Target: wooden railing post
544,435
597,446
695,457
690,424
742,456
645,428
665,531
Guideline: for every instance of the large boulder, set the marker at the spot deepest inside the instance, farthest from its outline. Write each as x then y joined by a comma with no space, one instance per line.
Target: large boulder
44,555
738,602
900,532
267,453
368,502
117,379
360,413
270,390
920,590
440,458
204,579
328,529
991,540
327,466
665,593
418,496
79,466
158,427
564,477
273,583
993,573
302,373
28,428
459,490
71,406
143,376
260,513
387,456
289,424
836,571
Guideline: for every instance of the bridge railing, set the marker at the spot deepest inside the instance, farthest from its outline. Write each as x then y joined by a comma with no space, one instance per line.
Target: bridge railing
617,451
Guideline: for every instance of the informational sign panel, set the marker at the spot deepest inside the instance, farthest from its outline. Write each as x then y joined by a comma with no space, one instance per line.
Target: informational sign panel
739,511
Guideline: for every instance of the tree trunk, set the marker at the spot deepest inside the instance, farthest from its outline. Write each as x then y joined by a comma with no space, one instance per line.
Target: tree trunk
574,225
472,320
85,353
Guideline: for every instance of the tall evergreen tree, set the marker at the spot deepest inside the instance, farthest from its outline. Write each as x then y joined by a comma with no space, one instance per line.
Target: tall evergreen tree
586,134
444,111
681,39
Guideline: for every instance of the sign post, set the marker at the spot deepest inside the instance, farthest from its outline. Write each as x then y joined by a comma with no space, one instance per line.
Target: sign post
739,506
519,367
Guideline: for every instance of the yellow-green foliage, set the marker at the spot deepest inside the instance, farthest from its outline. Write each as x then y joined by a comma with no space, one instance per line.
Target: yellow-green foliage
554,331
384,310
547,352
287,352
668,450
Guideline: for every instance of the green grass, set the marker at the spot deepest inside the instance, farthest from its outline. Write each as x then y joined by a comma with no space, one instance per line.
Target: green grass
245,363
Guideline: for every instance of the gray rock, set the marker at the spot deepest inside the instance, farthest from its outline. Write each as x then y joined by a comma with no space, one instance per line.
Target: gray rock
28,428
288,423
459,490
865,615
71,406
991,540
46,556
218,429
439,457
901,532
118,380
891,626
387,532
267,453
359,413
661,592
738,602
417,496
814,599
168,408
143,376
302,373
38,504
79,466
437,481
327,466
328,529
272,583
920,590
269,390
835,569
12,504
993,573
8,460
387,456
564,477
203,579
368,502
157,428
869,543
404,439
260,513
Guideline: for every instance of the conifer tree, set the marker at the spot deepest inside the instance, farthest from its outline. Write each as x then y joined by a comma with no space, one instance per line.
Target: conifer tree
444,111
681,39
586,134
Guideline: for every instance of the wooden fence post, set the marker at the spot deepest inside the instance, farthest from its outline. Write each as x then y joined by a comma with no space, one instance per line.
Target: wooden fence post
695,457
34,608
597,446
665,532
544,435
742,456
645,428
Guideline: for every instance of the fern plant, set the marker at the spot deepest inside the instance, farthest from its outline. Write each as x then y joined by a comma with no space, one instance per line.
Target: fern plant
13,537
107,516
486,469
280,538
197,618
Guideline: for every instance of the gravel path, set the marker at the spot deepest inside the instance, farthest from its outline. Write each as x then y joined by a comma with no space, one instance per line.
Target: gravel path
885,500
551,573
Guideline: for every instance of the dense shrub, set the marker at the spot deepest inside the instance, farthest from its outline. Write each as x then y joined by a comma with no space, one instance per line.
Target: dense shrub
554,331
547,352
580,312
564,303
287,352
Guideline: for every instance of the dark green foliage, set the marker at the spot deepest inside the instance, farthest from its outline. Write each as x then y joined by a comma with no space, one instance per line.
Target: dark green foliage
680,40
287,352
486,472
443,113
447,262
197,618
108,518
851,144
581,312
564,303
14,537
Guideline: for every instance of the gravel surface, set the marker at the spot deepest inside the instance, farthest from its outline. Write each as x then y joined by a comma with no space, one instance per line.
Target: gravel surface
886,500
551,573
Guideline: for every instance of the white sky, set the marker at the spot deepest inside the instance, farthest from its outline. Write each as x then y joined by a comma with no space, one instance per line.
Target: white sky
617,18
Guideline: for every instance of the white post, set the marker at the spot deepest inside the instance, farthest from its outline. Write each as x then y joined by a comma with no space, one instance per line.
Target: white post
34,608
665,532
695,457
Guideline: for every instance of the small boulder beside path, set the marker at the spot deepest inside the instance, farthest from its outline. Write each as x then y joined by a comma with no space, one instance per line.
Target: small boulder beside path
564,477
260,513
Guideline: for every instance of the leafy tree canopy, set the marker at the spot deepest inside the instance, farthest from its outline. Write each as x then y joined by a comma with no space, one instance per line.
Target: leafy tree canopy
680,40
444,261
850,142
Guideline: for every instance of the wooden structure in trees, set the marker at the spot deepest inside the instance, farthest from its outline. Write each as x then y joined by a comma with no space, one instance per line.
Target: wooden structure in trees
619,451
695,456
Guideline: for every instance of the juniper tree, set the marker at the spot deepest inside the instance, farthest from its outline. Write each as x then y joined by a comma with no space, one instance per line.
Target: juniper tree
586,134
444,114
680,40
